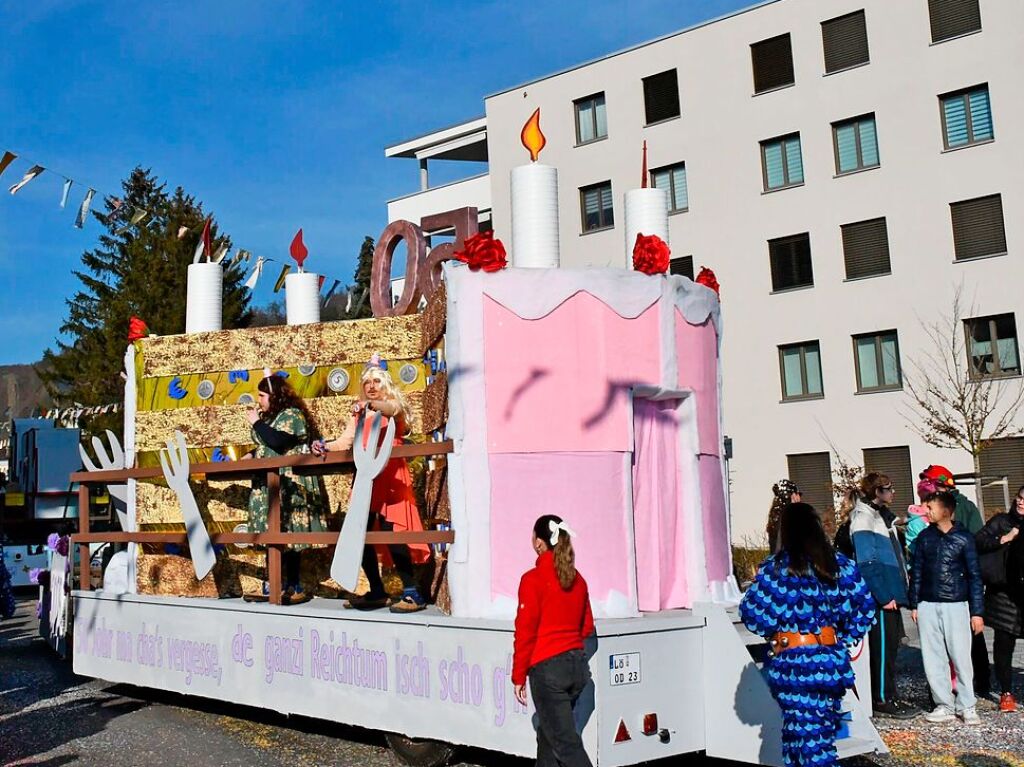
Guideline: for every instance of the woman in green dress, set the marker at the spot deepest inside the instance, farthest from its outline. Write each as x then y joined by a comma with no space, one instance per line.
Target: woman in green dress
280,426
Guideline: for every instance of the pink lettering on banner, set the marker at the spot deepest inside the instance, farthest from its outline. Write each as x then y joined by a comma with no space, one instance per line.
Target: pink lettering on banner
282,655
412,672
347,664
460,682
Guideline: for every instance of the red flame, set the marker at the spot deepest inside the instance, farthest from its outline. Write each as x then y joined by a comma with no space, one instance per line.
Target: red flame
298,249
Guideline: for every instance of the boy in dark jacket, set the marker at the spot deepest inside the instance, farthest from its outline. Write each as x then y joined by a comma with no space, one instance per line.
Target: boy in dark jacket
946,604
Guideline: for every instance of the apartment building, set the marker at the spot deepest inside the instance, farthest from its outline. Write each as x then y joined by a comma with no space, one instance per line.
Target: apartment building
845,167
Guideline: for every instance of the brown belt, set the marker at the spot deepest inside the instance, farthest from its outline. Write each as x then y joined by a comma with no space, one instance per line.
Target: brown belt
787,640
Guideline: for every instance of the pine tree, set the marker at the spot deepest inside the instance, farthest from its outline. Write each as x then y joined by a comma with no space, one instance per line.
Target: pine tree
136,270
359,290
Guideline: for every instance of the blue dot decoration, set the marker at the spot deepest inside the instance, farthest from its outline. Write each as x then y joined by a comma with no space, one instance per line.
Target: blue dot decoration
238,375
174,390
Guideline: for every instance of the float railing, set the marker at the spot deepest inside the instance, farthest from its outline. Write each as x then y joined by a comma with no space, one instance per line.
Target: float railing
275,539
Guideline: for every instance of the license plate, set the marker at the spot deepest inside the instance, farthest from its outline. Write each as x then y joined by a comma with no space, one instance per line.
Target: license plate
624,668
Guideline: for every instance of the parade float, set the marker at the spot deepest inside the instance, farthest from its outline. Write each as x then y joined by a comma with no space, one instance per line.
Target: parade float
593,394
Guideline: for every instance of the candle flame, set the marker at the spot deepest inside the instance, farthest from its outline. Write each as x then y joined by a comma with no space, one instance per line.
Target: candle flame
532,137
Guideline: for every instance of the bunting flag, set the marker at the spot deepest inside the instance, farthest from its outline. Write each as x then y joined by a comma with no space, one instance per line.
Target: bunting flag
34,171
115,210
221,252
348,300
198,252
320,283
182,231
7,159
84,208
280,279
65,193
256,272
330,293
136,218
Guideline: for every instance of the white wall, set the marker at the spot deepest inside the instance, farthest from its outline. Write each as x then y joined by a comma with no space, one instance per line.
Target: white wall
471,192
730,219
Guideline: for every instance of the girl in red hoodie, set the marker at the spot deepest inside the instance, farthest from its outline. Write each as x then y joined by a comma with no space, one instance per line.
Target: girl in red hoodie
553,619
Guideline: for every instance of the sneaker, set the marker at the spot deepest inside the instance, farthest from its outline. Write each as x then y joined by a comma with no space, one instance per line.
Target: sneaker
894,710
970,717
1007,703
941,715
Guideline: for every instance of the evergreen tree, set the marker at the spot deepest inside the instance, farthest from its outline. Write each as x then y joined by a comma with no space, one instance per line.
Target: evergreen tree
338,308
136,270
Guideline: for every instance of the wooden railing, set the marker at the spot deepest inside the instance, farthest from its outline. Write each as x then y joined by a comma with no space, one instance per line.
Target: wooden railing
274,538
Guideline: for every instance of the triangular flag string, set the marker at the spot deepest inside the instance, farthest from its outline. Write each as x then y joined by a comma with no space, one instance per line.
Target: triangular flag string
32,172
83,209
256,272
280,280
64,194
7,159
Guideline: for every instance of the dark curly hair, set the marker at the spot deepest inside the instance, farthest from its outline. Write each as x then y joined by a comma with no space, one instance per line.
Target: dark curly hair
282,396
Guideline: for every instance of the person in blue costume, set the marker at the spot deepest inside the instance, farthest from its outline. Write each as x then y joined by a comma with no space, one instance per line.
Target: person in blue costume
812,605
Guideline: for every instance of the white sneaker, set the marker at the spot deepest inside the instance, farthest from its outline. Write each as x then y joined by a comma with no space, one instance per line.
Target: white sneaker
941,715
970,716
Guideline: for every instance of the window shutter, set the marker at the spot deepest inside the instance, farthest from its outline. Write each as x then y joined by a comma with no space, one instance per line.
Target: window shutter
866,248
774,170
682,266
868,142
682,198
812,473
978,227
661,96
606,205
981,115
791,262
845,40
952,18
794,161
846,147
1002,457
955,110
895,463
773,63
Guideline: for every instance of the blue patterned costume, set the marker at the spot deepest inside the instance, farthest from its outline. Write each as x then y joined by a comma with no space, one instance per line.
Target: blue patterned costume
809,682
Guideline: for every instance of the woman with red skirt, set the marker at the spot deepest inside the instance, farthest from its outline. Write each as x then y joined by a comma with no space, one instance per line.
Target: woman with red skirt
553,619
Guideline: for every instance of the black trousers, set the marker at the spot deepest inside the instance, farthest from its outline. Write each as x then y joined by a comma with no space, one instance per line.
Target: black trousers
399,554
555,685
1002,658
982,669
883,643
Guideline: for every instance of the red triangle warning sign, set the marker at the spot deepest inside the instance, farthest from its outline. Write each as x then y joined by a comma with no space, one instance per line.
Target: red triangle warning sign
622,734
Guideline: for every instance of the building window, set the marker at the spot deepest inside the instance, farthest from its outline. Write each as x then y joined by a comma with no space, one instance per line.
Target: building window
773,63
978,227
790,259
894,462
966,117
781,162
855,143
1002,458
845,41
591,121
596,204
992,346
682,266
866,248
877,357
673,178
661,96
812,473
800,365
952,18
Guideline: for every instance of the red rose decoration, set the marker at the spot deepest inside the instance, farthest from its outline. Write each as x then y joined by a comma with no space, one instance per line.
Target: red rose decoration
136,329
707,278
650,254
482,251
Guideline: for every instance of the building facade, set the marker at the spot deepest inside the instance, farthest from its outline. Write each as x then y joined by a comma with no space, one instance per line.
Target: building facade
846,167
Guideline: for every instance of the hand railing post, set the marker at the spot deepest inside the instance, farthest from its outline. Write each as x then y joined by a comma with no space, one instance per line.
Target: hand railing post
84,572
274,528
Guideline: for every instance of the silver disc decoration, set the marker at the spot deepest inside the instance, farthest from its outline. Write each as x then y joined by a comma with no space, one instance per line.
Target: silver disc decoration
307,370
337,380
246,399
205,389
408,373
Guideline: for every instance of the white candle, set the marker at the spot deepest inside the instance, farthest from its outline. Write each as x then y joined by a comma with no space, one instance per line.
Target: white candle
535,216
204,297
302,298
647,214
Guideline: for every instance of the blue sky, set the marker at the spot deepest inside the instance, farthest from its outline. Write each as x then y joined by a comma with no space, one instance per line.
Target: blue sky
274,114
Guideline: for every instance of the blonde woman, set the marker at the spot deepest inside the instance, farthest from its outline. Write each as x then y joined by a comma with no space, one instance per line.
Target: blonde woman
392,503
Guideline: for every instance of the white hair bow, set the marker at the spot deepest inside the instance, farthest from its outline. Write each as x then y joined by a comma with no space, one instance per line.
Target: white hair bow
555,527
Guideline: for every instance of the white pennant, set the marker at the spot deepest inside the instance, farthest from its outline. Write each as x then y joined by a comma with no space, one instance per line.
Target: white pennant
84,209
64,195
199,251
34,171
256,272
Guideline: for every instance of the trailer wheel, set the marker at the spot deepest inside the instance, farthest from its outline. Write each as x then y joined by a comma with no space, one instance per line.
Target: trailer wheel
417,752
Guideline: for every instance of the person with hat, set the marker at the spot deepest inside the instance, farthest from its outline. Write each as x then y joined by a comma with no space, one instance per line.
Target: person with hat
812,604
784,492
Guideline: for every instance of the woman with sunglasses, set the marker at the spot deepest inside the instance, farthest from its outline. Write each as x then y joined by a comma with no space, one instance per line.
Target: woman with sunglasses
1001,549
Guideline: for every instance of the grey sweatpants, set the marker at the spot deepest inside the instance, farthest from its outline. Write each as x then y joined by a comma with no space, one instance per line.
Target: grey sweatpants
945,629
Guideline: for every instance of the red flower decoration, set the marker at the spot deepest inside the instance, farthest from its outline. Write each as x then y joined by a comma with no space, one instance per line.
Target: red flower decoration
482,251
707,278
650,254
136,329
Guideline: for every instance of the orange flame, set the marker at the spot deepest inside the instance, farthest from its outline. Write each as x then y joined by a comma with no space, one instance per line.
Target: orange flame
532,137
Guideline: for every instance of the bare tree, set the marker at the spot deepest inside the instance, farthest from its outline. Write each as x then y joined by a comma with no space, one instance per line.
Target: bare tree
956,400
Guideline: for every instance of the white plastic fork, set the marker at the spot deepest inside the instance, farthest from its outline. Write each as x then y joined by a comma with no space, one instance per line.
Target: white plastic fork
114,461
370,459
174,462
